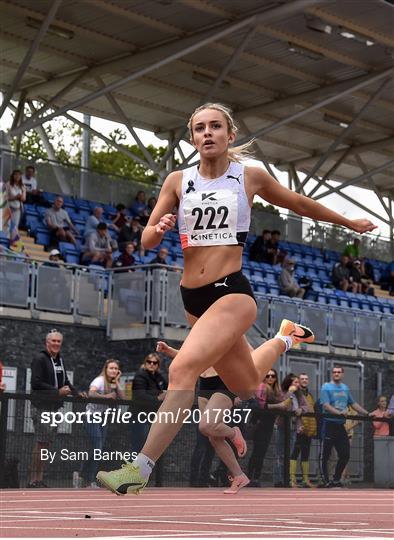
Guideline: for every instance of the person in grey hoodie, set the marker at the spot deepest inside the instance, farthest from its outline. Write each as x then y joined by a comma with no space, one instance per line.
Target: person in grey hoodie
287,282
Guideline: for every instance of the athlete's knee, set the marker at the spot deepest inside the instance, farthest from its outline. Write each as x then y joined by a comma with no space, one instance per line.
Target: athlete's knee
181,374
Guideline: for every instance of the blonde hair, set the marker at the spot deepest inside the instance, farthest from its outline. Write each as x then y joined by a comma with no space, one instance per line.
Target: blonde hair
103,373
235,153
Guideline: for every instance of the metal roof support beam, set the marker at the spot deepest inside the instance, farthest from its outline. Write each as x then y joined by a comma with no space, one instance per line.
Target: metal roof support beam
326,101
296,99
328,174
119,111
30,53
219,79
356,203
296,180
184,47
391,224
346,131
357,149
19,111
355,180
372,183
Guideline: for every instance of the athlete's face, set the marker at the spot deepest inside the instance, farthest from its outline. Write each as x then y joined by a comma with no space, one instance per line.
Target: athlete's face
210,133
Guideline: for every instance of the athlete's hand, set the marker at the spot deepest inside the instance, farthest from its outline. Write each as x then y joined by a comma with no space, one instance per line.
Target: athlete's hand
162,347
362,225
166,223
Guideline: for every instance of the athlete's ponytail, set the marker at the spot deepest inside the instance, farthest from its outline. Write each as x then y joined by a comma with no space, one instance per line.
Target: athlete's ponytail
235,153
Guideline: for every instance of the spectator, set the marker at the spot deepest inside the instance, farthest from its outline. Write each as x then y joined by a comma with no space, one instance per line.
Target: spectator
130,232
49,384
150,206
92,221
16,195
120,219
149,388
307,431
355,276
287,282
335,398
381,429
387,279
59,222
353,250
276,254
263,425
341,275
98,248
126,258
161,257
106,385
292,399
367,270
139,208
259,249
54,259
33,194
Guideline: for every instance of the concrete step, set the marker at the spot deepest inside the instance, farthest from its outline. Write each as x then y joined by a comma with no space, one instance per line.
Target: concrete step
35,251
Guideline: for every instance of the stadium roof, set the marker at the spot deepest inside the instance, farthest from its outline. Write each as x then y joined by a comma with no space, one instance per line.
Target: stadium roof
311,80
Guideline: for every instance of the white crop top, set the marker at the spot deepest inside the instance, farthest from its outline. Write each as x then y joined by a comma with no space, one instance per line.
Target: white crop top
214,212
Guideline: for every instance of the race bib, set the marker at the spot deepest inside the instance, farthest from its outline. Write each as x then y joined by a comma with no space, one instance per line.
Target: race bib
211,217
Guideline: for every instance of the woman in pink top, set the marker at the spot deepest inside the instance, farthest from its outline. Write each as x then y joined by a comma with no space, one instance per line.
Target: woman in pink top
381,429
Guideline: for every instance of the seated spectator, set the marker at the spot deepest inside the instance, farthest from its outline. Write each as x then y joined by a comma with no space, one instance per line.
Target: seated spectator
93,220
353,250
287,283
387,279
54,258
139,208
355,276
16,195
258,250
367,270
98,248
33,194
120,218
59,222
126,258
341,275
276,255
161,257
130,232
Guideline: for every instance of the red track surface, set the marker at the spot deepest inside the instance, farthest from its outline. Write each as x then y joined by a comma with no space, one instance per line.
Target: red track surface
198,513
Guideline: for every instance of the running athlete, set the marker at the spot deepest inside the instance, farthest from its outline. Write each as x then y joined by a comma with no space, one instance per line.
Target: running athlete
214,201
214,400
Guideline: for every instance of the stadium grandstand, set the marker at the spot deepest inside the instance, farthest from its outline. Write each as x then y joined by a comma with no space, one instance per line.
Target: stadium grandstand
311,82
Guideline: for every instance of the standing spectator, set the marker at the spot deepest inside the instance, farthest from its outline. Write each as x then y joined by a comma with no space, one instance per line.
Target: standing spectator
292,399
161,257
130,232
381,429
259,249
92,221
335,398
126,258
33,194
139,208
263,425
387,279
49,384
16,195
120,219
59,222
106,385
287,282
307,431
149,386
98,248
341,275
353,250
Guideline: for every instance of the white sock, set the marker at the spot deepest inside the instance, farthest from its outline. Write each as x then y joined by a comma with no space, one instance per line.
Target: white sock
145,464
287,340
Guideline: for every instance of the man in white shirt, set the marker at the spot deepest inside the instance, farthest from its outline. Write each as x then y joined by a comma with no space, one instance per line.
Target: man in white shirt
59,222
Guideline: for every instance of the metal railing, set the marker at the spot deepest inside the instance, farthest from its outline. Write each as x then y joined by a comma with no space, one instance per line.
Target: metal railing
72,446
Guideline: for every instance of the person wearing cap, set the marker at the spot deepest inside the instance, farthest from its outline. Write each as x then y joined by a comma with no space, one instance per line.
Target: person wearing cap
287,283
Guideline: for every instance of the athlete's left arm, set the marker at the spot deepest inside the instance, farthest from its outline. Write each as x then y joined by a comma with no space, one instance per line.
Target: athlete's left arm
266,187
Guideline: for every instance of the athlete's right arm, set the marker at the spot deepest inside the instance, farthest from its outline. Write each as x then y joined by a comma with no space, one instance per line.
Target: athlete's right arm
161,219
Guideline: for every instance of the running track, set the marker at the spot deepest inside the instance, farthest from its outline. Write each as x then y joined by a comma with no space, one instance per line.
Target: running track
198,513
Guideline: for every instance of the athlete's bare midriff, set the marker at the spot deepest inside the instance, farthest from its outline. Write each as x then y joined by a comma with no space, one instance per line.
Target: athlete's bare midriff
205,265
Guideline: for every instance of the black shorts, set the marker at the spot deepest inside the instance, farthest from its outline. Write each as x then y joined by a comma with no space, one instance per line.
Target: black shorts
213,385
198,300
